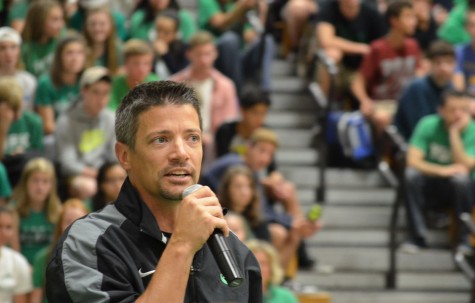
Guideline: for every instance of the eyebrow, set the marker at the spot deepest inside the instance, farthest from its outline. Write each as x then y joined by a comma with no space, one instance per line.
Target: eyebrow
168,132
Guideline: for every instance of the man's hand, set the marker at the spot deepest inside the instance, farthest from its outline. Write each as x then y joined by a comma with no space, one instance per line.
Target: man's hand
454,169
305,228
199,214
459,125
367,107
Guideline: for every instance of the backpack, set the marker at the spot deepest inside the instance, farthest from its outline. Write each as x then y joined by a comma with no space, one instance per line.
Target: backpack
354,135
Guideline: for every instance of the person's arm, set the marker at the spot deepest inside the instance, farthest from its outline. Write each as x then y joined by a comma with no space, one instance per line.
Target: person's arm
20,298
36,295
328,39
224,20
457,146
415,159
47,115
358,87
458,81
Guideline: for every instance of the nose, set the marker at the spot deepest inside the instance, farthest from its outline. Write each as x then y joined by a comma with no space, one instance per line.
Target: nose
179,153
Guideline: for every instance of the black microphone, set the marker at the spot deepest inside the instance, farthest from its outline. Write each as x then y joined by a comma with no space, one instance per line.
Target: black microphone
220,250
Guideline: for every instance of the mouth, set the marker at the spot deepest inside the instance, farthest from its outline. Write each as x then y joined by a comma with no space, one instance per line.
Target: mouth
179,174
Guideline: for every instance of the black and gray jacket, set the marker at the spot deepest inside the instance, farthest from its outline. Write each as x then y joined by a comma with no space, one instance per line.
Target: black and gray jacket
110,255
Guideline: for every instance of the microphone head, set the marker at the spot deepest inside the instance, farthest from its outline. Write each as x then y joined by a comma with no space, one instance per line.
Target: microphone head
190,189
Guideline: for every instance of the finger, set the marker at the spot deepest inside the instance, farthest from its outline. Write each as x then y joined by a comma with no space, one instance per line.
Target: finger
221,224
202,192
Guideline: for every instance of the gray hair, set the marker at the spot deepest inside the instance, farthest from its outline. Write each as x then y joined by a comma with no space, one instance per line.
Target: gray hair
147,95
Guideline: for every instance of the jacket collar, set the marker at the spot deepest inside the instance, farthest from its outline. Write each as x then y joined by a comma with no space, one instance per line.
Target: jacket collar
131,205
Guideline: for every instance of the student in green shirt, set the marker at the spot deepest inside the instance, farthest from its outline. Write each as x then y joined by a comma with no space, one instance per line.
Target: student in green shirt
272,273
138,62
43,27
101,38
142,21
38,206
57,89
72,209
440,157
20,131
77,20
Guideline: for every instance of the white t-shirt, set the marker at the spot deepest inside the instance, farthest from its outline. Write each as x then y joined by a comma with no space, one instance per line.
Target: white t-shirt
204,90
28,83
15,275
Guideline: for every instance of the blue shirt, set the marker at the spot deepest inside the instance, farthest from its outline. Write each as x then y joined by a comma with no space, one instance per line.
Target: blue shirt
465,55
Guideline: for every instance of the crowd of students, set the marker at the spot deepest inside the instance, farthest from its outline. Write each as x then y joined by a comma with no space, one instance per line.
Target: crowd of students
66,65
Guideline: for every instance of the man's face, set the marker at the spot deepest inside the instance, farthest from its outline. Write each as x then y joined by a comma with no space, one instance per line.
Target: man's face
96,96
254,116
442,69
259,155
202,57
406,21
168,152
138,67
455,109
9,54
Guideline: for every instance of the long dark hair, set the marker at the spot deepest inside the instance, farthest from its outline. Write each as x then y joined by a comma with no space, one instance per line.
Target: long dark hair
149,11
99,199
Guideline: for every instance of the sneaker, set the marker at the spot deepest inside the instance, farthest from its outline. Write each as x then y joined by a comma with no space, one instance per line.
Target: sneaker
464,249
410,247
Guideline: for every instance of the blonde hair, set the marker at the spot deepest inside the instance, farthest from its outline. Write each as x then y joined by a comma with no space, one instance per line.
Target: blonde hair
136,47
110,43
21,197
264,135
276,272
35,19
200,38
11,93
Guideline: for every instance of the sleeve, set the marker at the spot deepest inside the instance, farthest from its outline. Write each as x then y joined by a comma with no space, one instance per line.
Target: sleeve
36,133
136,21
66,149
206,10
119,21
469,142
326,14
5,189
39,267
82,272
187,25
22,275
420,137
43,93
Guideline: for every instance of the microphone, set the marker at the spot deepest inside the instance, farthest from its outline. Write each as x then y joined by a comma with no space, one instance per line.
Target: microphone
220,250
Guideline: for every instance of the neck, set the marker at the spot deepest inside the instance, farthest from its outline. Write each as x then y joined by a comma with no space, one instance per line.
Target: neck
164,213
395,38
7,71
439,82
200,74
69,78
243,130
37,206
98,49
132,82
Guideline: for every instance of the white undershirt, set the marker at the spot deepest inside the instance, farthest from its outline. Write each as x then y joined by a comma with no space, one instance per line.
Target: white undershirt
204,90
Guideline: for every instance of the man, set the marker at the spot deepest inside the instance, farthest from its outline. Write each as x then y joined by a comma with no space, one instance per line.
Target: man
391,62
245,53
439,160
344,31
138,62
85,133
216,92
149,245
423,95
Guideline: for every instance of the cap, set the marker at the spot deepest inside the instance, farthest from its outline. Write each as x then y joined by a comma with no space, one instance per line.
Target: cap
93,75
9,34
92,4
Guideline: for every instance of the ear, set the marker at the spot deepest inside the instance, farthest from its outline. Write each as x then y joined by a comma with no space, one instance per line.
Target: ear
122,153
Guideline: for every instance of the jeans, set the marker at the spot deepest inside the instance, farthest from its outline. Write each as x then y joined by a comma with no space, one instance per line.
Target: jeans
427,192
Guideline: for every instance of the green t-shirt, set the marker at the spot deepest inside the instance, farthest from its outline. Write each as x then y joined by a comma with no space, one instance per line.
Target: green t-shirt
77,20
277,294
432,138
5,189
36,233
38,57
141,30
453,29
25,134
39,269
120,89
208,8
47,94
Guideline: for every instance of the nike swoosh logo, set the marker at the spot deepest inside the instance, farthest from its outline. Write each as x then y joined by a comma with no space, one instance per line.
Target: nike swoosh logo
144,274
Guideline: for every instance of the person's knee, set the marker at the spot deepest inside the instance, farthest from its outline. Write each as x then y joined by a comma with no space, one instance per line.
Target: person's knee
412,175
229,41
461,182
297,10
83,187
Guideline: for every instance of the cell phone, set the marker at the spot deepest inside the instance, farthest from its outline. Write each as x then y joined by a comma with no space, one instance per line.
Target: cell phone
314,213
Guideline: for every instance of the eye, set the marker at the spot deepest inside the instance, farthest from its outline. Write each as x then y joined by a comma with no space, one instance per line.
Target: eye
160,140
195,138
